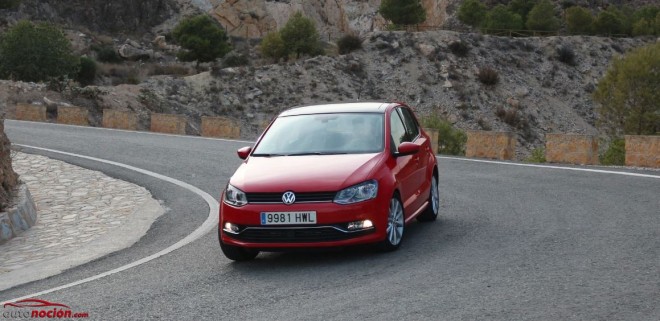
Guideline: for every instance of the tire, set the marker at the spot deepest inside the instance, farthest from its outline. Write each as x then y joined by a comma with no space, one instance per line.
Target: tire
236,253
395,226
430,214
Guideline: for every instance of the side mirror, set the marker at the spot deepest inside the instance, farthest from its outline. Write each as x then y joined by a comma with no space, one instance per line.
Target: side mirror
407,148
244,152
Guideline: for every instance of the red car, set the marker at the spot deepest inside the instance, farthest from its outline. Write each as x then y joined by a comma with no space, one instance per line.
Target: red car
330,176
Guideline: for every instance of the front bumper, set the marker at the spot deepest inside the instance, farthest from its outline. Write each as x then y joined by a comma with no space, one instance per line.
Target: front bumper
331,229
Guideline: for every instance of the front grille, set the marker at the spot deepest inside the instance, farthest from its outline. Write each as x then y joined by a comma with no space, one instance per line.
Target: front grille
294,235
300,197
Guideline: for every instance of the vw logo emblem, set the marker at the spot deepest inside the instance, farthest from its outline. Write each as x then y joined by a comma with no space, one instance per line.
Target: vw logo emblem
288,198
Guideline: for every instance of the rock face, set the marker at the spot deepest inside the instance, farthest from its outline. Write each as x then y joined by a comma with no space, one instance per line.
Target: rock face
8,178
255,18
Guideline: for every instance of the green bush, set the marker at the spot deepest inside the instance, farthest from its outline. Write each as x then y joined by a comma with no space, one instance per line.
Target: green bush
608,23
235,60
542,17
349,43
566,55
657,24
107,54
202,38
472,12
9,4
537,156
615,154
40,52
403,12
643,27
300,36
272,46
451,140
522,8
87,72
500,18
579,20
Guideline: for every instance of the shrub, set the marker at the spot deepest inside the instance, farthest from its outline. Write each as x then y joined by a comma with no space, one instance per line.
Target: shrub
629,95
403,12
522,8
537,156
235,60
87,72
459,48
272,46
579,20
488,76
472,12
300,36
451,140
643,27
108,54
40,52
9,4
202,39
500,18
615,154
542,17
608,23
348,43
566,55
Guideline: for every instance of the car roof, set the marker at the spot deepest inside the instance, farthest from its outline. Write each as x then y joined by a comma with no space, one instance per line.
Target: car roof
361,107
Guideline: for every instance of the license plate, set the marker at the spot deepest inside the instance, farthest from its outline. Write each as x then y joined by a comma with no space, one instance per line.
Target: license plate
284,218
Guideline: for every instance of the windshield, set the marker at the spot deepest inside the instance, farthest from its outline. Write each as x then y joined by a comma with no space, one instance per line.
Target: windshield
341,133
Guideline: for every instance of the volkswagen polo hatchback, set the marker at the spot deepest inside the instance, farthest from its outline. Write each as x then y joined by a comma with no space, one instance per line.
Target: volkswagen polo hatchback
330,176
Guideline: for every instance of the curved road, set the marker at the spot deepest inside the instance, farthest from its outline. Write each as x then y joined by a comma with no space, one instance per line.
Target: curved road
512,243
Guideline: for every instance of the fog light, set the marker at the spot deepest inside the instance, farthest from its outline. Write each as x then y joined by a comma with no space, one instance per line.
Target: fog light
231,228
360,225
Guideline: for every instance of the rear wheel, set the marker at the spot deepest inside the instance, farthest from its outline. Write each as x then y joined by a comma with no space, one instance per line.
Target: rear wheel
395,226
236,253
431,212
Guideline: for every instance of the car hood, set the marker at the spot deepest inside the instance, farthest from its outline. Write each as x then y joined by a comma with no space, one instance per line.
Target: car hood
313,173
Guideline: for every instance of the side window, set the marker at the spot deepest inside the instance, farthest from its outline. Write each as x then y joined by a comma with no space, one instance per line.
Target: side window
397,130
412,130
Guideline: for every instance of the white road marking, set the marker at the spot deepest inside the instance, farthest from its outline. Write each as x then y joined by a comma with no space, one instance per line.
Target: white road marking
550,166
130,131
208,225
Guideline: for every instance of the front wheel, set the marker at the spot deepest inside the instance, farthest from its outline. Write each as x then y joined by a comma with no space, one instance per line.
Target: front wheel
431,212
395,226
236,253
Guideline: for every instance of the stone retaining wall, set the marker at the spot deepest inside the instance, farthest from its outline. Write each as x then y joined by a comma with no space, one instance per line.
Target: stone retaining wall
486,144
18,218
571,149
169,124
221,127
31,112
643,151
119,119
72,116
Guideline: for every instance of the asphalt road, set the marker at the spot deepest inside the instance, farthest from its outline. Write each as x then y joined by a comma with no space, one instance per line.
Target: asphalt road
512,243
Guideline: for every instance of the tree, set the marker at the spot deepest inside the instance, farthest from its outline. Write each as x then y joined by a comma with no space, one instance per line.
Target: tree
643,27
542,17
629,95
272,46
403,12
500,18
579,20
472,12
522,7
300,36
202,38
41,52
9,4
87,72
608,23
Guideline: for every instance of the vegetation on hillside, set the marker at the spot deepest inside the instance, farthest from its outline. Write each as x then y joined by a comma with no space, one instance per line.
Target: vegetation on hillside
203,39
298,36
403,12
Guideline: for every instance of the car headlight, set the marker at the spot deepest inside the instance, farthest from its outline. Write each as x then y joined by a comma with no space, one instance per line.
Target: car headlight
357,193
234,196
